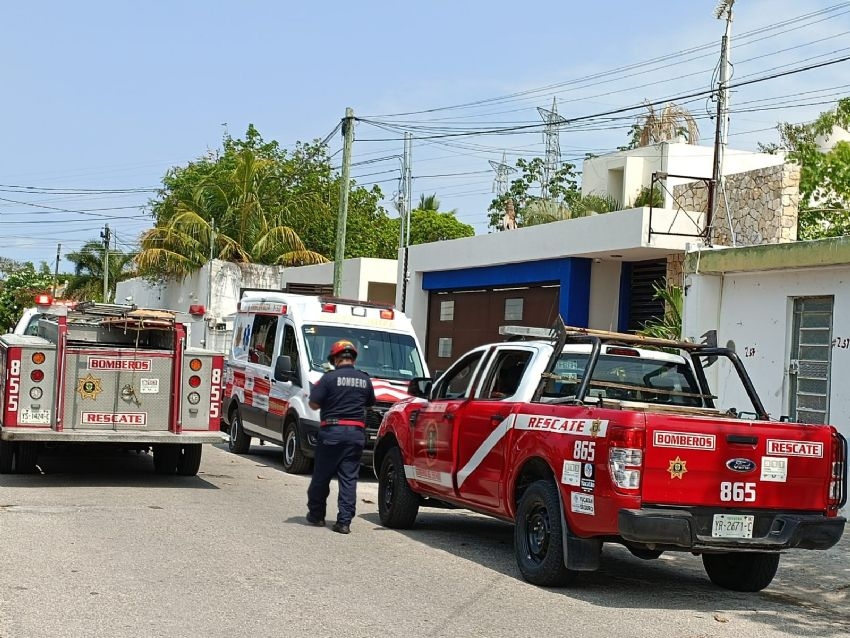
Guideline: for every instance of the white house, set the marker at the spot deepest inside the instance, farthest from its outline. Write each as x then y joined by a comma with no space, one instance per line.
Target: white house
785,309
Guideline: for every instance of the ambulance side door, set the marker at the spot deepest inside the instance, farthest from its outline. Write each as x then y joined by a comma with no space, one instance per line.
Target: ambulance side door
258,372
283,391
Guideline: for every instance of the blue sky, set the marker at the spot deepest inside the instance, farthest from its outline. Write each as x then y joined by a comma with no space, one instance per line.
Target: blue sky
106,96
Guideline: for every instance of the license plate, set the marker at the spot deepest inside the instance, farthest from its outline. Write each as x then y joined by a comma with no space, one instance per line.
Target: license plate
732,526
40,417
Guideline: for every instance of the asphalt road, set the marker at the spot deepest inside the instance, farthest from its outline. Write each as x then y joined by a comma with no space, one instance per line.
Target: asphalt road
98,545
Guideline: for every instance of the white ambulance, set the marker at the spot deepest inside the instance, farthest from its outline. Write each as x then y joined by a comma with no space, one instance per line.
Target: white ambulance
280,347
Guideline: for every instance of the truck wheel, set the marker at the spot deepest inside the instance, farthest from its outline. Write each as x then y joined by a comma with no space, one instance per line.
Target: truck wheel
398,505
7,457
538,538
294,460
26,457
189,459
239,441
741,571
165,457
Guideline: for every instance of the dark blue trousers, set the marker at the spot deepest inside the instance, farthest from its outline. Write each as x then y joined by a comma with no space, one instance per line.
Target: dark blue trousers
338,453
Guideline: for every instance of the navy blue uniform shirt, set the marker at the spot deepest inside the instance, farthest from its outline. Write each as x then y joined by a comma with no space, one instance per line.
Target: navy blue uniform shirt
343,394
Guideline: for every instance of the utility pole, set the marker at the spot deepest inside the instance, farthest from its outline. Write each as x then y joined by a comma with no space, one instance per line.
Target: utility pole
347,141
721,131
56,270
209,281
106,236
407,208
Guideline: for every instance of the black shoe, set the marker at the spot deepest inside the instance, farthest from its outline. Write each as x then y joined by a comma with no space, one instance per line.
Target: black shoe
340,528
315,521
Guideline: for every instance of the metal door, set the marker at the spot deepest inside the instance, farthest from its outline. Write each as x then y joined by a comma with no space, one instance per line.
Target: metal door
810,361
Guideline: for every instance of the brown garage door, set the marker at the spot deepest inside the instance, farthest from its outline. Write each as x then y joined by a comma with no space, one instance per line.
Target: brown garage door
461,320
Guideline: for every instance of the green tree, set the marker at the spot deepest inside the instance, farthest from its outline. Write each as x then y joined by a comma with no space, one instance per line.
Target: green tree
20,286
824,174
87,281
254,201
530,206
427,225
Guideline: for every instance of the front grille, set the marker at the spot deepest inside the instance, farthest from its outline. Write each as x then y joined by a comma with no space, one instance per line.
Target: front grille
375,414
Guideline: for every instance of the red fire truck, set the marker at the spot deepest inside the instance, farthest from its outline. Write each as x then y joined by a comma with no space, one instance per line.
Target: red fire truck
583,438
102,373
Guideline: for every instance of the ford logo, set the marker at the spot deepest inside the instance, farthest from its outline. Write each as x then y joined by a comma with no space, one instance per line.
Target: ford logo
741,465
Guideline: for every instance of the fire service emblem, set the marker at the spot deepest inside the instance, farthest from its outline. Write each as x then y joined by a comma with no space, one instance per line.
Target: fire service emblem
89,387
677,468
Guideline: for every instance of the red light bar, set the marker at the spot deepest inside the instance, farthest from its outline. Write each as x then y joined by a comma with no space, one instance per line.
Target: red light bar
197,310
43,300
625,352
387,314
328,307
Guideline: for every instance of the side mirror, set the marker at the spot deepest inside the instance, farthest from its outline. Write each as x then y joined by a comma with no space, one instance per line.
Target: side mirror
419,387
283,369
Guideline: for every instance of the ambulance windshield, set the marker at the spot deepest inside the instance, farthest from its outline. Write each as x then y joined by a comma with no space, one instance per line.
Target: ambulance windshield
384,355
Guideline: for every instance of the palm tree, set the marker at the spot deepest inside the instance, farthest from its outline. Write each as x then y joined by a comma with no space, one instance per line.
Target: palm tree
547,211
226,219
87,281
666,125
428,203
670,325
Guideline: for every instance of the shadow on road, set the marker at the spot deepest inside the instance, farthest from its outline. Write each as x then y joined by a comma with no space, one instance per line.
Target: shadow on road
98,465
811,605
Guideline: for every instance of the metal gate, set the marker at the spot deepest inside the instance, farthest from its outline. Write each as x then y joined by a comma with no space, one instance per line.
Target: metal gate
810,361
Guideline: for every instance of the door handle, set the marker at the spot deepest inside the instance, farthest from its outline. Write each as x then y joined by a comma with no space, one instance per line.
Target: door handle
449,416
741,440
497,418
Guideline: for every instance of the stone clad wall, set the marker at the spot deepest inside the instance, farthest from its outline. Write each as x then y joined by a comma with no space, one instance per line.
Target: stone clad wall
763,206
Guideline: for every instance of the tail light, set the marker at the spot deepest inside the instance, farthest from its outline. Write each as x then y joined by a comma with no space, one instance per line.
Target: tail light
837,497
328,307
195,365
625,457
194,381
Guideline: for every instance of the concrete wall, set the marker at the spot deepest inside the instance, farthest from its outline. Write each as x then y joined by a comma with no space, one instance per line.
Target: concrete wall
600,174
357,274
747,296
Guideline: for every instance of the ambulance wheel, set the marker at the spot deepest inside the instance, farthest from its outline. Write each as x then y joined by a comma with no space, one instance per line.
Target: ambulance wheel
538,537
26,457
189,459
165,456
239,442
741,571
294,459
7,457
398,505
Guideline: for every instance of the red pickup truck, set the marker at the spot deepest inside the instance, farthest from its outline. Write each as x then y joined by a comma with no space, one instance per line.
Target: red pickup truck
583,437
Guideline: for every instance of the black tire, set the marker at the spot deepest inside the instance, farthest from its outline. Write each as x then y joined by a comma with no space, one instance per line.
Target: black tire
189,459
294,459
240,441
7,456
741,571
165,457
26,457
538,537
398,505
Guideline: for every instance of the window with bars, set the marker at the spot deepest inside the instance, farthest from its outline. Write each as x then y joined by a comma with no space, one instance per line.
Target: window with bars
444,347
810,361
513,309
447,310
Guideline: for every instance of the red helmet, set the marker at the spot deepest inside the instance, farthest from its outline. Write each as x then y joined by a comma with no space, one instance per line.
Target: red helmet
342,347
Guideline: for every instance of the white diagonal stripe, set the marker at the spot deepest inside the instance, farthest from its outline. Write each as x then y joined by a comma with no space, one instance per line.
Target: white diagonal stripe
485,448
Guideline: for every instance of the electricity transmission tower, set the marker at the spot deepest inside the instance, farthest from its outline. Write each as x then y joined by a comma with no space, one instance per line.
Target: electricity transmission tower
503,171
552,161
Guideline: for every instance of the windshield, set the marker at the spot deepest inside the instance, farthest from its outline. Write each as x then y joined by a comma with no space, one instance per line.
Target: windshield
386,355
626,378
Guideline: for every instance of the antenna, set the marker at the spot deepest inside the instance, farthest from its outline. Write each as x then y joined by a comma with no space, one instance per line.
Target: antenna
552,163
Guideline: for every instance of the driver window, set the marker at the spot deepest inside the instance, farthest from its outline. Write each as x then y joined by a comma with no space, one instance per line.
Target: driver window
457,382
290,349
505,374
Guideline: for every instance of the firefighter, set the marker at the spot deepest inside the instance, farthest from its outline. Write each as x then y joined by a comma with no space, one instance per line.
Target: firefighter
342,396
